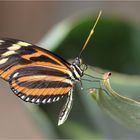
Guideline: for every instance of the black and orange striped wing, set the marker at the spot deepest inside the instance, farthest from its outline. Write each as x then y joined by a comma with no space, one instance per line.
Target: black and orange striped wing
35,74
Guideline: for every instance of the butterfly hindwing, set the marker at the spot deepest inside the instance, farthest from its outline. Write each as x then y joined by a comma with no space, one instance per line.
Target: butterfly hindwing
35,74
40,88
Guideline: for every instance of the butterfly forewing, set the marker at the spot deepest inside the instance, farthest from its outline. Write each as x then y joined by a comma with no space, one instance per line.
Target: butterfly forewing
35,75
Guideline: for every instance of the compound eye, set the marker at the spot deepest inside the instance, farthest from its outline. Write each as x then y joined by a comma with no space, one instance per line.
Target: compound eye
83,67
78,61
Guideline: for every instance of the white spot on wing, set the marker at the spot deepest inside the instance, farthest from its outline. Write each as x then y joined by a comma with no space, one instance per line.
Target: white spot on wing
15,91
54,99
49,100
14,47
57,98
1,41
23,97
25,44
27,99
2,61
38,101
44,101
16,74
8,53
19,94
33,100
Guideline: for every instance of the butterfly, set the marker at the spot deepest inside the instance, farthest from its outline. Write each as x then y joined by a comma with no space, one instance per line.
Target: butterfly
37,75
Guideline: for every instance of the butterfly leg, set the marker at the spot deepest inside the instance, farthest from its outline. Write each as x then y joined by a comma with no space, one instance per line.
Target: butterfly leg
66,108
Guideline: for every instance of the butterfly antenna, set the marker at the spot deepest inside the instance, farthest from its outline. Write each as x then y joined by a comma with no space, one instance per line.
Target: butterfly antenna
91,33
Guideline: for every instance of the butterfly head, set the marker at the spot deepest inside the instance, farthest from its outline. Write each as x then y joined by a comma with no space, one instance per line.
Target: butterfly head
80,66
78,61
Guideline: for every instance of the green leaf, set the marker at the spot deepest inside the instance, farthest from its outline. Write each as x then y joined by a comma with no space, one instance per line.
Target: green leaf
122,108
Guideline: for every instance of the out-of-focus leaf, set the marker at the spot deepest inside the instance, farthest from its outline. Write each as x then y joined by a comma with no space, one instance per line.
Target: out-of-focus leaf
119,107
55,36
42,120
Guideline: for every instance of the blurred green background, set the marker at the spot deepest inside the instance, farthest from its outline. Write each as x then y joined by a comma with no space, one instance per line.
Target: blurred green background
63,27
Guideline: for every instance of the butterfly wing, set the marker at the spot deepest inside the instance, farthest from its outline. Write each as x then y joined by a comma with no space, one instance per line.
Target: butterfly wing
35,74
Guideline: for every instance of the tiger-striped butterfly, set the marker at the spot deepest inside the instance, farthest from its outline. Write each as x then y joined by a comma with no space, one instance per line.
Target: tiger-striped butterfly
37,75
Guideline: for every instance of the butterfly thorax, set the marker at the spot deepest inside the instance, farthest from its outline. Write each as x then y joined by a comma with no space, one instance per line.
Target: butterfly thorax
77,69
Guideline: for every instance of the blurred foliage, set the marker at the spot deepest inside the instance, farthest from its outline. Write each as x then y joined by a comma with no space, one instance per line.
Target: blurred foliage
114,47
111,35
